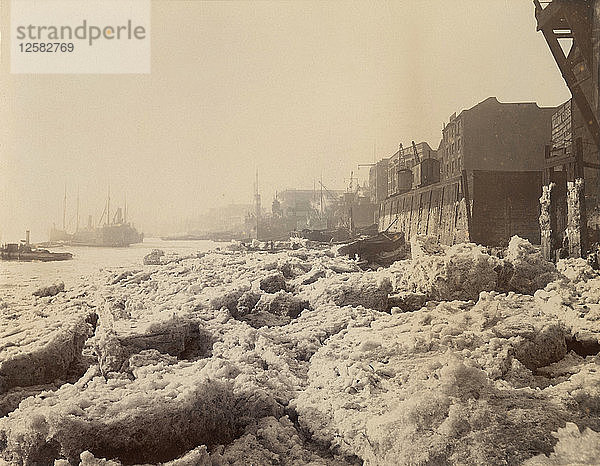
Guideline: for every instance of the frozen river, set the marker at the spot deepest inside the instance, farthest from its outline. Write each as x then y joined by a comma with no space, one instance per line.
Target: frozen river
18,278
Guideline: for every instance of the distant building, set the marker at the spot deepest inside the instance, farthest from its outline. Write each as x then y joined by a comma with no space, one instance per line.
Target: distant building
230,218
400,166
297,202
378,181
308,208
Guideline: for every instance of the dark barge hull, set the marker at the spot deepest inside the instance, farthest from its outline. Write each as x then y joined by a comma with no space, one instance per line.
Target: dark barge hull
35,256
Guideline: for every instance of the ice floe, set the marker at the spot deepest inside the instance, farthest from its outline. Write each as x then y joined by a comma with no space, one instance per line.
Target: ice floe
457,355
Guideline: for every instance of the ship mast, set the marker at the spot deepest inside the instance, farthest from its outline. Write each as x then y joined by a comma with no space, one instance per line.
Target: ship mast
77,226
321,200
108,207
65,210
257,205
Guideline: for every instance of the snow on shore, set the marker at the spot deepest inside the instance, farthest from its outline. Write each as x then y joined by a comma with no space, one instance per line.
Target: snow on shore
299,357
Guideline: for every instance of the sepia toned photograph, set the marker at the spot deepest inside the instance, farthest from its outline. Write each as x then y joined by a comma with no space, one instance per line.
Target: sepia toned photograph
299,232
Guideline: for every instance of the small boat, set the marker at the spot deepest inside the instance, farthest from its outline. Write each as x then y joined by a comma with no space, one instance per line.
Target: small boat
24,252
380,250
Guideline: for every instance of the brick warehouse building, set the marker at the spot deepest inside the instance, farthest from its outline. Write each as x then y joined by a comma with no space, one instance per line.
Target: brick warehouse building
491,158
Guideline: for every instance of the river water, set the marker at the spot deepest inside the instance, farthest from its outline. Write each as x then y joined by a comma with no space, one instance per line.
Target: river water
19,278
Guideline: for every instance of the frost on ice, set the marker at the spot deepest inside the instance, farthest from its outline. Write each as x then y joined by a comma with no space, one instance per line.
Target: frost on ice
459,355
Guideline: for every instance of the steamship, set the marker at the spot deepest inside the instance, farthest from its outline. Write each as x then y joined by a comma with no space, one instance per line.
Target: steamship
116,232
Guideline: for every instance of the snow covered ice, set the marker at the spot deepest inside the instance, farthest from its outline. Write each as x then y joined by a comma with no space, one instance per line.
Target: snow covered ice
300,357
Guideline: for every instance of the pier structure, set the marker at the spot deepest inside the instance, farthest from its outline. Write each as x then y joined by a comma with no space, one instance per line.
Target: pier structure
570,206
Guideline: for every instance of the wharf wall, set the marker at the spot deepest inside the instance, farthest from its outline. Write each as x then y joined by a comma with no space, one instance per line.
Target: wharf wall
500,204
437,210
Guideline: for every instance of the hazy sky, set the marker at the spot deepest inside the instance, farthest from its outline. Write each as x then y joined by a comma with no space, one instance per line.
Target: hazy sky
294,88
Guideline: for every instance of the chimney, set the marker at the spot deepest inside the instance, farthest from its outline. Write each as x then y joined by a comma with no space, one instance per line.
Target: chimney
27,237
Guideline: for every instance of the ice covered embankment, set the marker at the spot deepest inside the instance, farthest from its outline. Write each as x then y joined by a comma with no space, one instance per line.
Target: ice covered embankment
240,340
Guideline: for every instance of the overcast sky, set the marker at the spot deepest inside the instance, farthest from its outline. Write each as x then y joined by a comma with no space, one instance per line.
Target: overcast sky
297,89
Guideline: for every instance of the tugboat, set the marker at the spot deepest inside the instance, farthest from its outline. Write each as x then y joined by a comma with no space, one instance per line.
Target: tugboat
26,253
